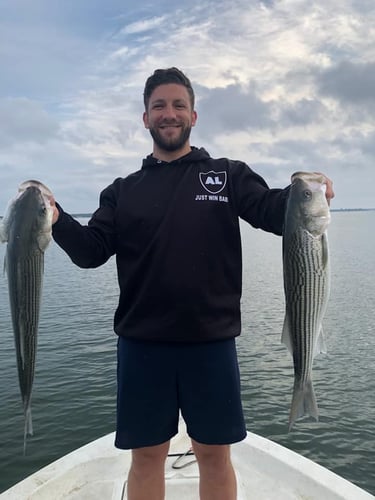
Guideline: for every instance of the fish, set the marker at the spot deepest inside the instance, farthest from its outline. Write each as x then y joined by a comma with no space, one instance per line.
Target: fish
306,275
27,230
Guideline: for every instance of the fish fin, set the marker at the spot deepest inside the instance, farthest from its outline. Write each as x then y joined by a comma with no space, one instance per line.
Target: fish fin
320,346
28,429
325,251
28,422
24,444
3,233
285,336
303,402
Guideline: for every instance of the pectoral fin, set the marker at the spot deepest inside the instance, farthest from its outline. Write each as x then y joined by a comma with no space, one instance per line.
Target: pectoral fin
286,335
320,346
325,250
3,233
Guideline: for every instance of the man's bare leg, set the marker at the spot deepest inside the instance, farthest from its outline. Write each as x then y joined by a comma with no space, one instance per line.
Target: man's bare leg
217,476
146,474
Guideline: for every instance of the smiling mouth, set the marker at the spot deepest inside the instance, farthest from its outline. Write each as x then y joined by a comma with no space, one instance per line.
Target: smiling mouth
170,125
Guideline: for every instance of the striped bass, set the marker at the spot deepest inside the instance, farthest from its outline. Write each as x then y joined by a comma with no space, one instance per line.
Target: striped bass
26,228
306,284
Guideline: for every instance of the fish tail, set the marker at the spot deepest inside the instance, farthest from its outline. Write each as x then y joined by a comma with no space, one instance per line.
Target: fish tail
28,422
303,402
28,429
24,444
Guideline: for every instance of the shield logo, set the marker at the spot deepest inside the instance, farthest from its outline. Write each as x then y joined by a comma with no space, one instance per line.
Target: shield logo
213,182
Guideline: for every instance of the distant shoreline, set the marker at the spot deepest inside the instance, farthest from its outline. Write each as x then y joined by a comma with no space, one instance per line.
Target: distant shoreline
352,209
332,210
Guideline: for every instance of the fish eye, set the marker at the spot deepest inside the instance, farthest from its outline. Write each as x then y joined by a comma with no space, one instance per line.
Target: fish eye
307,194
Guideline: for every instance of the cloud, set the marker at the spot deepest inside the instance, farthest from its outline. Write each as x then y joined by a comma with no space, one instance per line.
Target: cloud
231,108
302,112
349,82
142,26
279,84
23,120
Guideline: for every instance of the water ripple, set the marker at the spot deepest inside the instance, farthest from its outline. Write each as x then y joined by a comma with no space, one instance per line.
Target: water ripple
75,381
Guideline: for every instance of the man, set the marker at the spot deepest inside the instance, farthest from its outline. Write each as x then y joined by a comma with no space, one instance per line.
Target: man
174,227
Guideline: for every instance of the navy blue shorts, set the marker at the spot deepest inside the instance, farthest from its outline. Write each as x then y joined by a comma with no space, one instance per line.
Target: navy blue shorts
157,380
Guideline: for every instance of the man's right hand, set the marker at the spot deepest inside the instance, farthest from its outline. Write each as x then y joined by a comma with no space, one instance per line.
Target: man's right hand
56,212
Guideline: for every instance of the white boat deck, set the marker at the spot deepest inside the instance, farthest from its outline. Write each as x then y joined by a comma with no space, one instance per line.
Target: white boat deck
265,471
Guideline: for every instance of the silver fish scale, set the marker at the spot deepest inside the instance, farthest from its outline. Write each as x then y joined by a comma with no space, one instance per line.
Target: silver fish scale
306,287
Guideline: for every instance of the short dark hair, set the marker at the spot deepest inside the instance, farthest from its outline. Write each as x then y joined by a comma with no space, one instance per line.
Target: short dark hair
164,76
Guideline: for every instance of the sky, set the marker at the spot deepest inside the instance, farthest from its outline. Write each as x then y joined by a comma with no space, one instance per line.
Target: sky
284,85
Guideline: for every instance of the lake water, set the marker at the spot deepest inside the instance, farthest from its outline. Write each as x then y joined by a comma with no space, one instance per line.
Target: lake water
75,382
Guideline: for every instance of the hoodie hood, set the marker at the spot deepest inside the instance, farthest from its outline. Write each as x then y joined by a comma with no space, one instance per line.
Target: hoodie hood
195,155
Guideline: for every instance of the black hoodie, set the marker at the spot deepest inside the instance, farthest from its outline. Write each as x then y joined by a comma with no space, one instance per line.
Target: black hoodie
174,228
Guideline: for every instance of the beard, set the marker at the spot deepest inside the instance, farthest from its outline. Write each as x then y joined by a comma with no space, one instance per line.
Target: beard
172,144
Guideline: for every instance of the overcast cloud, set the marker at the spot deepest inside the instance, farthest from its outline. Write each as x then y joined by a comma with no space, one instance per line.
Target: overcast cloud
283,85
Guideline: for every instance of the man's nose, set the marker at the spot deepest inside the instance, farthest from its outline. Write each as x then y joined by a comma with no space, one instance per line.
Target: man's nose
169,111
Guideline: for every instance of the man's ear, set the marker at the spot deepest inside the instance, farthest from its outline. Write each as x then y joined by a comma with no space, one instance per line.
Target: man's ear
194,118
145,120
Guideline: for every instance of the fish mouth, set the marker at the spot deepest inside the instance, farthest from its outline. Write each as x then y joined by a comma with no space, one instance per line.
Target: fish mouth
44,190
318,216
32,190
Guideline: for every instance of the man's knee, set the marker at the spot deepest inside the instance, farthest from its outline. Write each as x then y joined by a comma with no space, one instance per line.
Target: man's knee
215,456
150,456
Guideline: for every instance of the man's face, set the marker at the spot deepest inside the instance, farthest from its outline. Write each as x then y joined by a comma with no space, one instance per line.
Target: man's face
169,116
